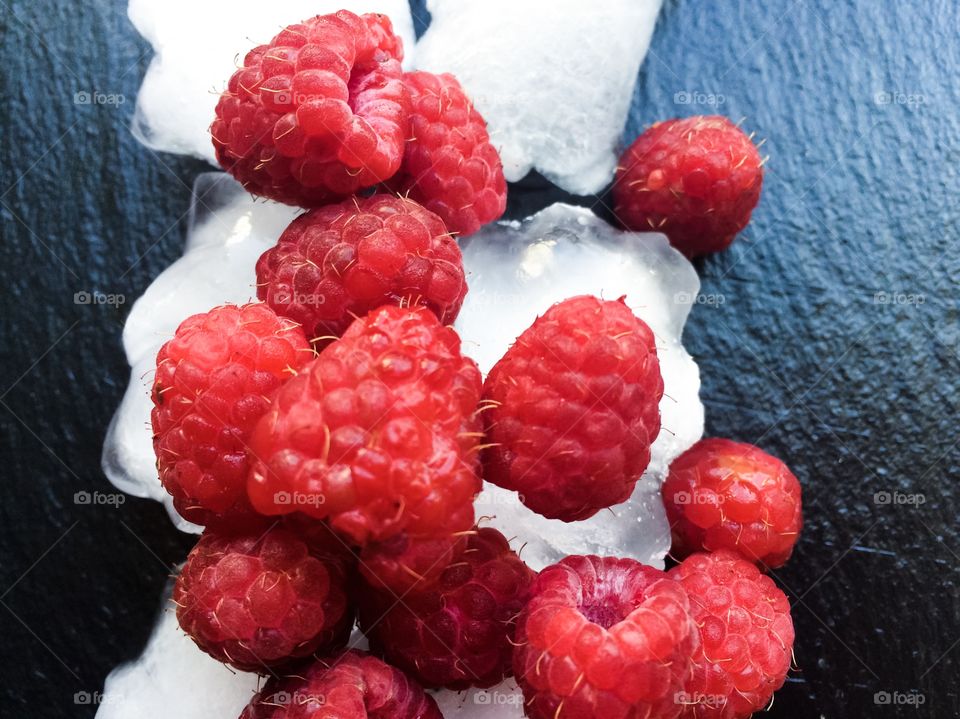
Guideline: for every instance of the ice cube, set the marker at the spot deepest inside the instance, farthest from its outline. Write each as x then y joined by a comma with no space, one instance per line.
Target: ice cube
553,78
515,272
198,45
228,232
173,678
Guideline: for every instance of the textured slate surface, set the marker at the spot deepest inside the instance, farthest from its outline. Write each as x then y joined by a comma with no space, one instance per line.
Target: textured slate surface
829,334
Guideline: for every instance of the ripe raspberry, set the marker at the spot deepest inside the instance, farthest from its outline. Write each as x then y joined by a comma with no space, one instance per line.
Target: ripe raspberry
340,261
574,409
353,685
318,113
449,164
747,636
696,180
604,638
262,600
213,382
375,433
403,563
455,634
721,494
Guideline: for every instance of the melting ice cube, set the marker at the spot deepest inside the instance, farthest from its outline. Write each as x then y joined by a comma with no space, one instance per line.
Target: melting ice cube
515,272
173,678
553,78
198,45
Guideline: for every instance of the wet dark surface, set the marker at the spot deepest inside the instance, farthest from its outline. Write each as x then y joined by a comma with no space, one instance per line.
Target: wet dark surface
828,334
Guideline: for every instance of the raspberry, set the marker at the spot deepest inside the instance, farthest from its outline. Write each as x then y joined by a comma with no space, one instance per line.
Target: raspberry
449,164
339,262
262,600
318,113
375,434
574,408
213,382
404,563
747,636
696,180
455,634
604,638
721,494
353,685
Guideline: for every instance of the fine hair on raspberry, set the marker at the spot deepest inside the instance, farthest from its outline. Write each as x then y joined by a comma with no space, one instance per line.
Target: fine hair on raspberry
340,261
318,113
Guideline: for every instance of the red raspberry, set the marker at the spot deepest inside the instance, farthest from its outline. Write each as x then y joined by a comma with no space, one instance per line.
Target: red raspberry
262,600
318,113
340,261
353,685
213,382
375,433
455,634
450,165
696,180
722,494
604,638
574,409
747,636
403,563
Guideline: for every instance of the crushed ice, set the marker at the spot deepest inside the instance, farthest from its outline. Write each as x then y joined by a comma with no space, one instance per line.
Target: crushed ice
553,78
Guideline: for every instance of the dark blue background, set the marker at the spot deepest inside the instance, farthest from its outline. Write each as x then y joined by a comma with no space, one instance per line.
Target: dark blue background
829,336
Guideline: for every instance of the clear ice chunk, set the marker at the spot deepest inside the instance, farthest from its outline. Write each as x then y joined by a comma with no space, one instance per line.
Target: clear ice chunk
553,78
515,272
228,232
198,44
173,678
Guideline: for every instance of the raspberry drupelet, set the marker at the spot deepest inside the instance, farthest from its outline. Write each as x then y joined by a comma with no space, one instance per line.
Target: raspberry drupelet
378,434
213,382
572,409
403,564
604,637
747,636
721,494
450,165
456,632
338,262
263,600
352,685
697,180
318,113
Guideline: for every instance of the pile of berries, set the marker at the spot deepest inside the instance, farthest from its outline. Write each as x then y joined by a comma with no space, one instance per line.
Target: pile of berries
333,437
324,111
